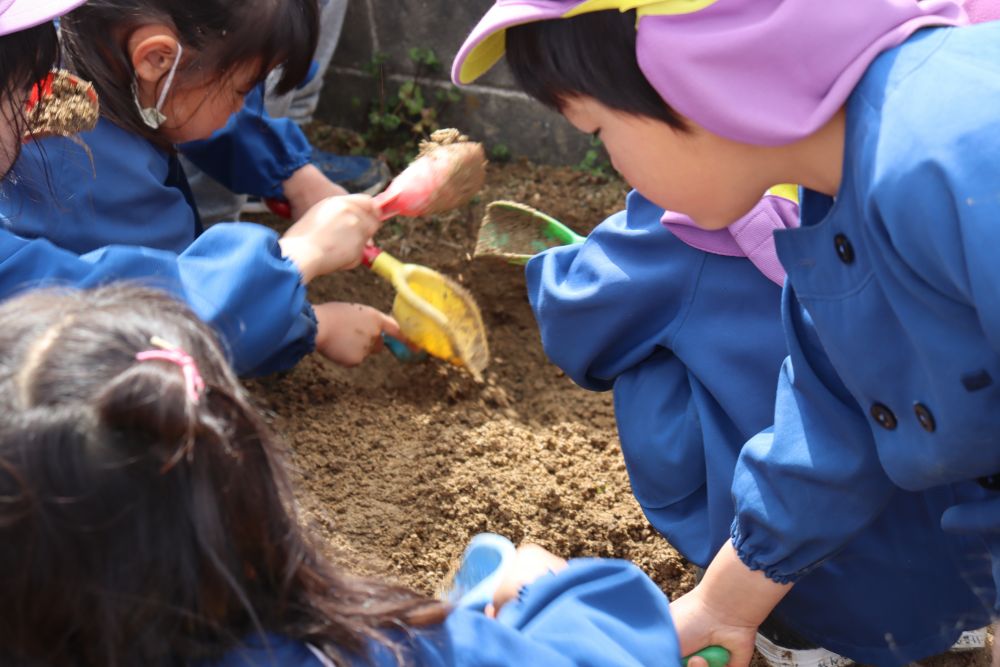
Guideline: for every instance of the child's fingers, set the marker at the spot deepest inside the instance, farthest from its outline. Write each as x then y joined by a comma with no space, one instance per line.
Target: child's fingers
363,205
530,563
390,327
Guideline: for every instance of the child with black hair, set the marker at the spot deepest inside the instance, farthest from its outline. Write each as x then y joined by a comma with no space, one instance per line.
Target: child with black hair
687,331
169,72
147,519
355,173
878,519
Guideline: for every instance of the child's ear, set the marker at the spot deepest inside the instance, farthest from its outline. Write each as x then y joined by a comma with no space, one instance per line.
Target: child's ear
153,50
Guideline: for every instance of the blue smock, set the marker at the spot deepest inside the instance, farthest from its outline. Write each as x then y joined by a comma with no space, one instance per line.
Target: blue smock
692,344
636,309
892,317
119,190
596,613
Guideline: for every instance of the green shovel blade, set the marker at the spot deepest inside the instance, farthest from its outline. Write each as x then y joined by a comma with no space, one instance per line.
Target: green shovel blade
516,232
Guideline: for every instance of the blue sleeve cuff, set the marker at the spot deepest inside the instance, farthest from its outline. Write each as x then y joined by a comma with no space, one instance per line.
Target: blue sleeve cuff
298,343
254,153
238,281
771,572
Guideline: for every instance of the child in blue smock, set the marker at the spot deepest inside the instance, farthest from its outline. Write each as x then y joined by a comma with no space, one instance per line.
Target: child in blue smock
636,309
148,519
886,406
683,336
174,73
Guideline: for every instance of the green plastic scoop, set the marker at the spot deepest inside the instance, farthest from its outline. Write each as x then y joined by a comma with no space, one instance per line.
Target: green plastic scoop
516,232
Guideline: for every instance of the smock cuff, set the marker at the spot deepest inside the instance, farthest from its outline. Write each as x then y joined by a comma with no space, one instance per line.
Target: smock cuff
772,572
515,609
277,191
299,342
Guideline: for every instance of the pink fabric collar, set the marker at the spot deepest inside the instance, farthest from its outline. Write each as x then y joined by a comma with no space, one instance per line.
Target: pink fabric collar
752,236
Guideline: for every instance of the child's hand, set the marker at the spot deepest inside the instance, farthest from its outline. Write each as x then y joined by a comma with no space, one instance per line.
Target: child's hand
531,562
332,235
726,608
699,626
308,187
348,333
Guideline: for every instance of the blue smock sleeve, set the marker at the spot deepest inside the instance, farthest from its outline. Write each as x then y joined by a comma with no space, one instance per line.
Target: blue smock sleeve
254,153
596,613
233,276
818,460
608,303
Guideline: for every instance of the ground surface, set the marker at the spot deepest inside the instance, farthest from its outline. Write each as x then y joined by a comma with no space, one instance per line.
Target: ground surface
401,464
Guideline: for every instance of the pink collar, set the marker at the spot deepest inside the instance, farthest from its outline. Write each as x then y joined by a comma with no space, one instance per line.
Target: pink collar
752,236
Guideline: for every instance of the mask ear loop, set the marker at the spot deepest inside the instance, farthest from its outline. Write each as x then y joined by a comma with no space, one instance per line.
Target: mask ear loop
153,117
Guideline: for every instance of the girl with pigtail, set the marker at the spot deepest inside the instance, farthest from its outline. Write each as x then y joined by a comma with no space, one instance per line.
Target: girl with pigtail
147,519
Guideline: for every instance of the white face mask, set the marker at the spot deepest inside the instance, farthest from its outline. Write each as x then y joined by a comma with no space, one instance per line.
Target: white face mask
153,117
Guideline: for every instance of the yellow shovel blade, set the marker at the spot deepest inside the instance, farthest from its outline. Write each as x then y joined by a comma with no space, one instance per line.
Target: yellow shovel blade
437,314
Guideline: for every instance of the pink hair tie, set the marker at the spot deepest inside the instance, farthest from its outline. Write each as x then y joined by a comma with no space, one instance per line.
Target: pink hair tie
175,355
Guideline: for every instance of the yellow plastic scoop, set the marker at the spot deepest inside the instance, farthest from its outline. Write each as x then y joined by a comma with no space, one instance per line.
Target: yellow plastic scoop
434,312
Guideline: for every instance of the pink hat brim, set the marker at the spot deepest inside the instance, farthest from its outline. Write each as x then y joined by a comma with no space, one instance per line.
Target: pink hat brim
23,14
485,45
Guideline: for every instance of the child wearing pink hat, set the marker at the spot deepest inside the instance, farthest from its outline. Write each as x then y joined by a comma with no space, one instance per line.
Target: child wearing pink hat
114,203
878,479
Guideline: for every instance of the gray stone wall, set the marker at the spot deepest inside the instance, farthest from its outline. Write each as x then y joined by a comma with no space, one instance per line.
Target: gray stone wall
492,111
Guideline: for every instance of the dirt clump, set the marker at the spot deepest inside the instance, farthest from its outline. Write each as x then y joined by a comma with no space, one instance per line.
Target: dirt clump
62,105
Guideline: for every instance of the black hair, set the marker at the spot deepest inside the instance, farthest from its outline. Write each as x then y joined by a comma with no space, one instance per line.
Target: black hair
26,57
225,34
591,54
140,527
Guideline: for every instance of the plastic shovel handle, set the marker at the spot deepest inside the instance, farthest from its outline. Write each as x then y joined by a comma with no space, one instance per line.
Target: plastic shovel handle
279,207
402,351
387,204
715,656
369,255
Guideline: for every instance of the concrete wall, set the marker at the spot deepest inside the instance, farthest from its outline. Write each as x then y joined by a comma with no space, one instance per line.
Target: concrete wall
491,111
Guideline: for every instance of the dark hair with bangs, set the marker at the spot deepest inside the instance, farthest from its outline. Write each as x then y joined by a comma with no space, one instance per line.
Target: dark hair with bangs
141,527
26,57
591,54
218,35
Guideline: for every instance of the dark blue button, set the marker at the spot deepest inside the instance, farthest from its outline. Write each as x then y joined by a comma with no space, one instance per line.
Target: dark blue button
883,416
991,482
845,251
925,417
976,381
